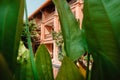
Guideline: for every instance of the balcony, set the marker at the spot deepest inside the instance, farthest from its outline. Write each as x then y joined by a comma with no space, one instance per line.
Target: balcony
48,36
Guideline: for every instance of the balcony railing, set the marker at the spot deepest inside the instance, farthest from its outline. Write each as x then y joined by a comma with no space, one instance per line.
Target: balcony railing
48,36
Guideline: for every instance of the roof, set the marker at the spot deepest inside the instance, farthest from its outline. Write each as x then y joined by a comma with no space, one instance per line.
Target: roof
47,2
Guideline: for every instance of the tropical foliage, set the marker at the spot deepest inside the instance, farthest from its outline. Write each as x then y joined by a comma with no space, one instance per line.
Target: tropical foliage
58,37
34,32
11,19
23,53
23,69
101,29
99,37
43,63
74,44
101,24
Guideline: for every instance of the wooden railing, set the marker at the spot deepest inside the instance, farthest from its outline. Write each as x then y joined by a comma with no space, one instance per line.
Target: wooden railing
48,36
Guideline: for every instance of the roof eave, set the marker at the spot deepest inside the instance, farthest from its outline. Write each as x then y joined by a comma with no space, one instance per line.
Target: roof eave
40,8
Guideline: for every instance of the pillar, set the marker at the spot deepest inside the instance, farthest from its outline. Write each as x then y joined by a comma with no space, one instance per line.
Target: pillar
56,28
79,13
42,32
56,62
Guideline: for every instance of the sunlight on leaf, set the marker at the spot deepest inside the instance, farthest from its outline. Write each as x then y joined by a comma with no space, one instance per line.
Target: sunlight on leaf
69,71
43,63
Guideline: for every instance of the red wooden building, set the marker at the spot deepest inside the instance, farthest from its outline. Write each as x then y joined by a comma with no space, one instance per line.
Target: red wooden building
47,19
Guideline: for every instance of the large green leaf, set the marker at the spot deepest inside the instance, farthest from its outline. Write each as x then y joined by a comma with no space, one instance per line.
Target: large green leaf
69,71
24,71
11,16
102,28
73,37
24,68
43,63
30,45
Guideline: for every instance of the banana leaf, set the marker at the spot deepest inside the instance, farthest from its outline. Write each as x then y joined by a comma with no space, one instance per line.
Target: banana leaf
102,27
69,71
11,16
74,43
43,63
